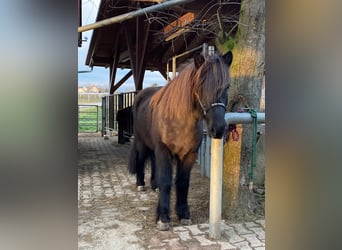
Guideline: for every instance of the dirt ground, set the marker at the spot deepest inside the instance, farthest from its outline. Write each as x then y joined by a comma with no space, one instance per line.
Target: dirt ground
103,164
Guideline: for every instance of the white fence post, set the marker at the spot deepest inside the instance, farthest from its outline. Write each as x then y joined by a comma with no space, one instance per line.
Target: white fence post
216,163
215,188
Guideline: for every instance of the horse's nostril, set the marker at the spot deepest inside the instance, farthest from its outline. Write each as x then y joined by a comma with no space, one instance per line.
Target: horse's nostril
218,135
217,132
213,132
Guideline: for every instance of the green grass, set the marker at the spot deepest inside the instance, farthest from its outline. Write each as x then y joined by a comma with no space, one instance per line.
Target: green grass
87,119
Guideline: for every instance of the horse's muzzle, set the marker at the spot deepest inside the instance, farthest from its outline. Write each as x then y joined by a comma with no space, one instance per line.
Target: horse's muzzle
217,134
217,130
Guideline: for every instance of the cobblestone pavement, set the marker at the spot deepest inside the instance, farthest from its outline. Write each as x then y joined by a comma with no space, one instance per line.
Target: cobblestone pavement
113,215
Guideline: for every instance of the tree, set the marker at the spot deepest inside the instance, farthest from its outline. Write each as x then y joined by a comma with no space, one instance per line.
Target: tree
247,73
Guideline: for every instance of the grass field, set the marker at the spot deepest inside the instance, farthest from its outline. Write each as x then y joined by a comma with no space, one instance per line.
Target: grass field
89,118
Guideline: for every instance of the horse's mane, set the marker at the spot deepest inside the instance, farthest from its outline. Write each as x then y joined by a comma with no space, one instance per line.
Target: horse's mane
177,98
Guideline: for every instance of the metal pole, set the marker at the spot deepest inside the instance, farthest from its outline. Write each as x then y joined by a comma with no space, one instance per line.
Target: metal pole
207,155
103,121
132,14
233,118
216,172
215,188
97,118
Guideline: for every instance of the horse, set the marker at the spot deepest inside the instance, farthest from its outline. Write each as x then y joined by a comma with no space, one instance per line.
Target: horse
168,127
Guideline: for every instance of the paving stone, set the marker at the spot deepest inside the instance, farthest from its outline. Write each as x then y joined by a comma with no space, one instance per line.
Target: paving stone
175,244
261,222
224,226
164,235
260,232
253,240
240,229
226,246
155,242
194,230
232,236
259,248
204,241
243,245
184,235
204,227
250,224
211,247
179,228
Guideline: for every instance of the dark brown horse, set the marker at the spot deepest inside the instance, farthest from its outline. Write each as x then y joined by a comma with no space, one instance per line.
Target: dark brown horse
168,126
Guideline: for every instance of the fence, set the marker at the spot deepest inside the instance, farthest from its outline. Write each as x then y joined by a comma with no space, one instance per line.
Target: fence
90,98
112,105
88,118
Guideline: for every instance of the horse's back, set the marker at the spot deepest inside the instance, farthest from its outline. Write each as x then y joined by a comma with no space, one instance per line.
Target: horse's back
142,115
145,94
142,99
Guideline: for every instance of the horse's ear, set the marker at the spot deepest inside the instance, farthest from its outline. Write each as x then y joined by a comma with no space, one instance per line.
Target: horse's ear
198,59
228,58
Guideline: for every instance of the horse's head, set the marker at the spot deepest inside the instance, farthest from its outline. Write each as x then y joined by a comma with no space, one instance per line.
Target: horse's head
211,90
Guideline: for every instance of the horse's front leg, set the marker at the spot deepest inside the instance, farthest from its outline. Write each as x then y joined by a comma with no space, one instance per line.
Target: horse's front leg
153,173
164,181
182,188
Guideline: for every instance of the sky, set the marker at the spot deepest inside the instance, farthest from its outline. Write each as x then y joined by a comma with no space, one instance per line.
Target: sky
100,75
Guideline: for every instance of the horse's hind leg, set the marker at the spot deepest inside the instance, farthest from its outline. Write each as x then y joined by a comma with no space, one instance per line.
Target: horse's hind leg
140,166
182,188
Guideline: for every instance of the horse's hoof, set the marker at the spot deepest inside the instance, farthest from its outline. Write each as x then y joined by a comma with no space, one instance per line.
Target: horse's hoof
185,222
163,226
141,188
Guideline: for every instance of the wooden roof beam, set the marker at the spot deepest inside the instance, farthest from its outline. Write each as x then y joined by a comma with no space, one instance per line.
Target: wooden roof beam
132,14
113,88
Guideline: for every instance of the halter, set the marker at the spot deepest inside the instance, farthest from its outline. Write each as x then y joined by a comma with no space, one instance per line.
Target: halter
205,111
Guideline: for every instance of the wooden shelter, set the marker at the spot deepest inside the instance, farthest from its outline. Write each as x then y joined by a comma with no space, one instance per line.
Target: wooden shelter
147,42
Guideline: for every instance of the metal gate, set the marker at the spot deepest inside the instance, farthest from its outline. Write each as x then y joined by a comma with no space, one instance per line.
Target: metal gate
88,118
115,108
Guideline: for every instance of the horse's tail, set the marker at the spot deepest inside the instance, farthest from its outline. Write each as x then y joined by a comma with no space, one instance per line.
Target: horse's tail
133,157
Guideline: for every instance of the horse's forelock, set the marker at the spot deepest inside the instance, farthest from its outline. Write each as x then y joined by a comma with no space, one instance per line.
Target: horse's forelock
212,79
